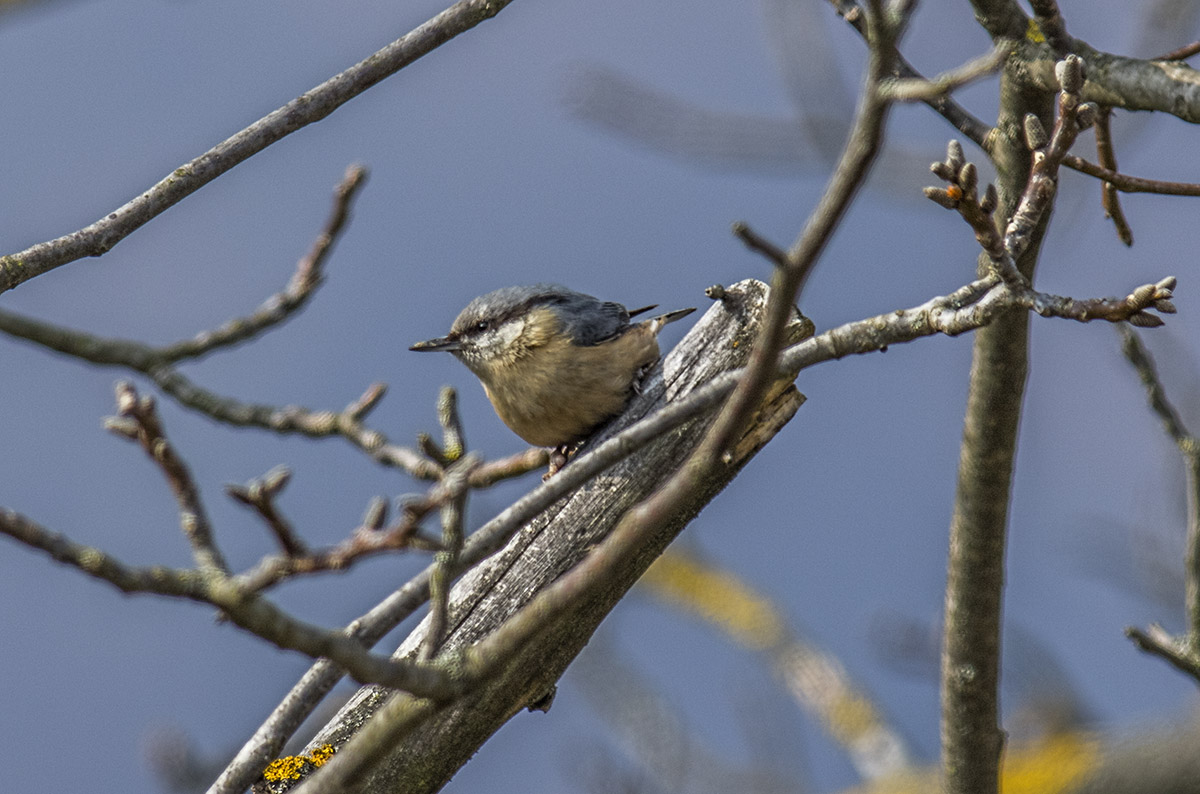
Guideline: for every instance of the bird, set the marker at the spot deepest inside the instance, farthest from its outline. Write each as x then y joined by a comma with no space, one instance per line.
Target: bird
556,364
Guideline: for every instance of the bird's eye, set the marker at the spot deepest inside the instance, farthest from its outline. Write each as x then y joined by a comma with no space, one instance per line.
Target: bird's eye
482,326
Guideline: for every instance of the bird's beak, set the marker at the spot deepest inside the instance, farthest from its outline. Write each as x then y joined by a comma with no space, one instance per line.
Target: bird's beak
447,343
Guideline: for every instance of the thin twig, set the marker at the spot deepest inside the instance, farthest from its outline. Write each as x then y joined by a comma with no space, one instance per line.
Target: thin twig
1184,52
792,274
365,541
259,494
307,276
962,195
1109,200
313,105
917,89
1042,183
1131,184
446,561
454,441
756,242
294,419
138,421
1137,355
963,120
253,613
1049,149
373,537
1160,643
1189,447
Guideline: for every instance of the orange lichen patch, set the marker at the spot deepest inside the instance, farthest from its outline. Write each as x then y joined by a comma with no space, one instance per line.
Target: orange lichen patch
293,767
321,754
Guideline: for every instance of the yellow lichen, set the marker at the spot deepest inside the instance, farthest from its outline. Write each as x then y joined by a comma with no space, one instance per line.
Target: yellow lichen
321,754
293,767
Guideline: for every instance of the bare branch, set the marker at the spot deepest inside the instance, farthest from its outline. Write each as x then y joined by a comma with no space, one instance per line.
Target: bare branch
1189,447
1040,188
158,362
963,120
1160,643
1109,200
1137,355
314,105
1169,87
755,242
279,307
138,421
296,419
915,89
245,609
259,494
971,739
1131,184
1183,53
859,154
1042,183
962,195
101,565
365,541
446,561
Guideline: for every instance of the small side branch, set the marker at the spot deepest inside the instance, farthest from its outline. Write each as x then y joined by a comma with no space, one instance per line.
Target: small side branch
254,614
918,89
964,121
447,563
259,494
1048,153
1156,640
137,420
1134,307
1181,54
1131,184
1109,200
308,275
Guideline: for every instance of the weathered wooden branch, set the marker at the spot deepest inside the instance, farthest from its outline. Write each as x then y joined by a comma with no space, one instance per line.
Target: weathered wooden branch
561,536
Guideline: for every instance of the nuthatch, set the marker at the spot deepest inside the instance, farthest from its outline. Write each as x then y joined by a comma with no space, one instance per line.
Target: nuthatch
555,363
